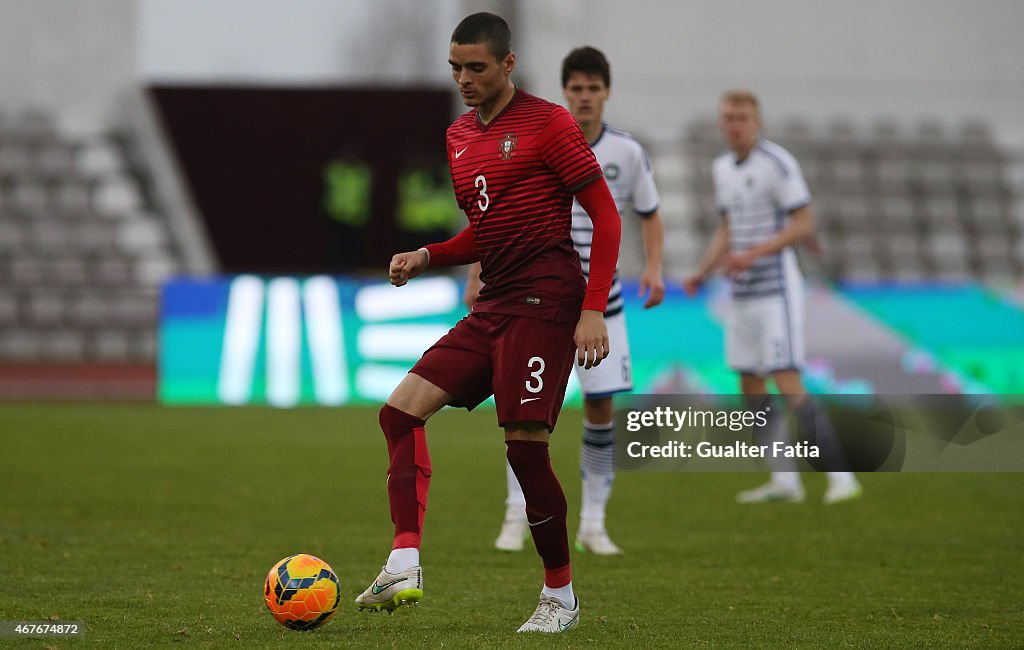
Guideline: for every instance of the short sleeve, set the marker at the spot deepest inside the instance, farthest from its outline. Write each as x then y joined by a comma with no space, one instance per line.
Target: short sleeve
791,190
716,181
566,152
645,194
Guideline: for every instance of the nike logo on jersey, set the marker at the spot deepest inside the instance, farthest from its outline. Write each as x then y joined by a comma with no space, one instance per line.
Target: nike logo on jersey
527,399
459,153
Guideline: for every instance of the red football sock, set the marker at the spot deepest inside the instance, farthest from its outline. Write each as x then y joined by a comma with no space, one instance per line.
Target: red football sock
408,474
545,507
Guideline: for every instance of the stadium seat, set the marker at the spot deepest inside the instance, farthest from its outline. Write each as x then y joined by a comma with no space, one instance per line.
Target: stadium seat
937,175
904,251
29,198
893,175
98,158
112,271
19,344
896,214
116,196
14,160
69,270
74,225
152,270
64,346
12,236
27,270
53,160
141,235
88,310
848,175
110,345
48,234
70,197
8,309
989,214
95,236
45,309
949,251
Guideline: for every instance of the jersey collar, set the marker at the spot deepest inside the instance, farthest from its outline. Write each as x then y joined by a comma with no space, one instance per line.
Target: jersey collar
483,127
750,154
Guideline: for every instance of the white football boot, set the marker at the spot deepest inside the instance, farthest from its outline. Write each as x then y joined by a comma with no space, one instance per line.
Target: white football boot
771,492
550,616
594,539
514,530
392,590
845,490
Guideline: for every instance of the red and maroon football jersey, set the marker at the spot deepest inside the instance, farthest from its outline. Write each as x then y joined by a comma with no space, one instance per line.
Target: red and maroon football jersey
515,179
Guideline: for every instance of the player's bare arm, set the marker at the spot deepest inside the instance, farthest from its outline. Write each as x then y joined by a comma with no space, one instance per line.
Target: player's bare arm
591,339
800,226
717,250
406,266
652,229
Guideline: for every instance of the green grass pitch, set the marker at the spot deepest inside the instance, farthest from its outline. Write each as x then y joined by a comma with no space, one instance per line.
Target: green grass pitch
157,526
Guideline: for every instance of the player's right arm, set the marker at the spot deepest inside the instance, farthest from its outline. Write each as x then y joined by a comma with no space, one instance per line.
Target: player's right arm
460,249
591,335
717,250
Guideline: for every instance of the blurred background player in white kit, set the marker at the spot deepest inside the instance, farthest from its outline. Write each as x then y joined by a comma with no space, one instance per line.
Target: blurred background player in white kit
586,85
766,209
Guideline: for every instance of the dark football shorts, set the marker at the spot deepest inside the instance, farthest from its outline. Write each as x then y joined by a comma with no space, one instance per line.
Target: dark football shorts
524,362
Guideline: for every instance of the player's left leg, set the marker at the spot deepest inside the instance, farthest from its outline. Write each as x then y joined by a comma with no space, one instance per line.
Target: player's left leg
527,449
532,362
597,453
597,470
784,484
815,426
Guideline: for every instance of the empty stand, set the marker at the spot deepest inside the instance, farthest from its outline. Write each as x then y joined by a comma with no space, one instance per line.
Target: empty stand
82,253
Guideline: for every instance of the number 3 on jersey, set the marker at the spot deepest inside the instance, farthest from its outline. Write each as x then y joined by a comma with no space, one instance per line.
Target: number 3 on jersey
535,374
484,200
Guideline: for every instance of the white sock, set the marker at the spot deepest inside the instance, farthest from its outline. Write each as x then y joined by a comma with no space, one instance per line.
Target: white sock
843,479
597,467
596,490
564,595
515,499
402,559
787,480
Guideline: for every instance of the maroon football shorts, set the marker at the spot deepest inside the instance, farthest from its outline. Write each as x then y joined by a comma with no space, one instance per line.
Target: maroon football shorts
524,362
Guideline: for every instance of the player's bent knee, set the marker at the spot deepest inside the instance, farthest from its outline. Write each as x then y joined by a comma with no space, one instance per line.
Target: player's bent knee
529,431
597,410
753,384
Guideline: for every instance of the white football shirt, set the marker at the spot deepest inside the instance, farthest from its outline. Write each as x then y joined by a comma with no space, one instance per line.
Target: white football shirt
627,170
756,196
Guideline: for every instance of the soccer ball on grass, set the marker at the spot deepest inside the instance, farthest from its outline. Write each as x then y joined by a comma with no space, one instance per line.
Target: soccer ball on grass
302,592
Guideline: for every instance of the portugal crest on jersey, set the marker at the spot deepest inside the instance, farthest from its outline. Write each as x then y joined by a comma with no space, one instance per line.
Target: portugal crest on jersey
507,145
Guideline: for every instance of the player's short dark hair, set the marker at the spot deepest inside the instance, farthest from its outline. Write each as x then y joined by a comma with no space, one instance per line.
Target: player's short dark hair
588,60
486,28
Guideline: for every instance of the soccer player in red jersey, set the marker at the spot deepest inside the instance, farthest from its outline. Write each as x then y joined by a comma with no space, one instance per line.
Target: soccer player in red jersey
516,163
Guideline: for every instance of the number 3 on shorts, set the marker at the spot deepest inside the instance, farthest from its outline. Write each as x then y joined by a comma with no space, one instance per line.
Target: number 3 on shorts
535,374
